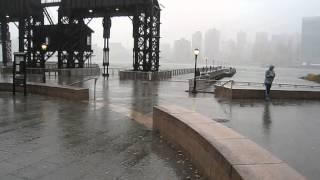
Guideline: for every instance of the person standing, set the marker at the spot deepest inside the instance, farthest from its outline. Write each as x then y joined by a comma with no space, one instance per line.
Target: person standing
269,77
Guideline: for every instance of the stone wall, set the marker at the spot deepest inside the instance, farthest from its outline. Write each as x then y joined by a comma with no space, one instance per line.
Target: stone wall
217,151
223,92
66,92
260,94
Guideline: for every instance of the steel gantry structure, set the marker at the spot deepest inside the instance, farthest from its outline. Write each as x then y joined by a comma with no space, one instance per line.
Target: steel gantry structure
70,38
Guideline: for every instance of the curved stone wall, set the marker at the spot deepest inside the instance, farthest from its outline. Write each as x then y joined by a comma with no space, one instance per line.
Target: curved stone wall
218,151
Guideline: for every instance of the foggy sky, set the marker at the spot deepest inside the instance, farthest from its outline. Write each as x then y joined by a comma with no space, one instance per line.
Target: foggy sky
180,18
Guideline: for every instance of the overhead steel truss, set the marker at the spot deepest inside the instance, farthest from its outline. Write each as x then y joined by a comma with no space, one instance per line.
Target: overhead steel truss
145,17
146,33
6,42
68,57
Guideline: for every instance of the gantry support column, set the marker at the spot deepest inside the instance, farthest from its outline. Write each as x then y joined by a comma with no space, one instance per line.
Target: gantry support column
146,34
106,50
26,40
6,43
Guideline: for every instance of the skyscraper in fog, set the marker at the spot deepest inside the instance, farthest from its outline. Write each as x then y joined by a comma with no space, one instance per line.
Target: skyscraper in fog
261,51
212,44
281,49
166,52
242,51
241,39
197,42
311,40
182,51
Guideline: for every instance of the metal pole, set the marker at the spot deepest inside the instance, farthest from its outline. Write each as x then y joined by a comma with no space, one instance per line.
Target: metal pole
14,76
43,66
25,76
195,75
95,84
108,58
106,36
104,55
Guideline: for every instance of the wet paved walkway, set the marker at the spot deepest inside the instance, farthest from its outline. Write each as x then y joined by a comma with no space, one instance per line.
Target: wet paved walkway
47,138
110,138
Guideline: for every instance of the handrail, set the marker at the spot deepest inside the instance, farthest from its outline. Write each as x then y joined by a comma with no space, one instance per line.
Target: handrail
230,81
243,83
95,84
85,80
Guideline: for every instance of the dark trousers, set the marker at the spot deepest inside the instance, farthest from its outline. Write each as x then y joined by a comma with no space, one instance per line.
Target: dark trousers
268,87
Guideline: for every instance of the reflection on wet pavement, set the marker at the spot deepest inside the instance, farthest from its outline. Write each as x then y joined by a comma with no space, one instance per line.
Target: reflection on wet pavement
48,138
289,129
110,137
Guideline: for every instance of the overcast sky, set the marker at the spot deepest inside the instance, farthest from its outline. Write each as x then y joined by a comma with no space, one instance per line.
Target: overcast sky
180,18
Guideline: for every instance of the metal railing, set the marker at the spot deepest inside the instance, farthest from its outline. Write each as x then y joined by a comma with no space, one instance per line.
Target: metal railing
258,84
85,80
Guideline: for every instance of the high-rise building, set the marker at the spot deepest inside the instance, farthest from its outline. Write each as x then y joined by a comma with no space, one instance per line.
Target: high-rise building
197,40
166,52
241,39
311,40
281,49
182,51
261,50
242,49
212,44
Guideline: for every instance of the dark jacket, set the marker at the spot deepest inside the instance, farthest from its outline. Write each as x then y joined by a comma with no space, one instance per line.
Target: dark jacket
270,75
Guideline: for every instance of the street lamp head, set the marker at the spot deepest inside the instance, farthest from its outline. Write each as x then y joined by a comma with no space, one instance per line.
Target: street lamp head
196,51
44,47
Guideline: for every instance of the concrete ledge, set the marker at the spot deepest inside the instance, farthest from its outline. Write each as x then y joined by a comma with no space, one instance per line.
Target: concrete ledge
218,151
92,71
225,92
66,92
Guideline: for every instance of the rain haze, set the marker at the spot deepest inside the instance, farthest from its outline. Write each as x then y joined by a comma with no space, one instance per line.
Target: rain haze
181,18
90,93
277,20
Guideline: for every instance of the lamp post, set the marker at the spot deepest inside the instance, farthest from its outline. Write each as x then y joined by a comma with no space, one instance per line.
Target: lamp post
44,48
196,53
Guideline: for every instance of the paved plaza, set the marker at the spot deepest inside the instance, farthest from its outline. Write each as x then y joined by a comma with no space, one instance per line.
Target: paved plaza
110,138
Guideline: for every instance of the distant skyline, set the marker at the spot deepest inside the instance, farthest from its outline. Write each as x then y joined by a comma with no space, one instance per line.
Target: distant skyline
181,18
